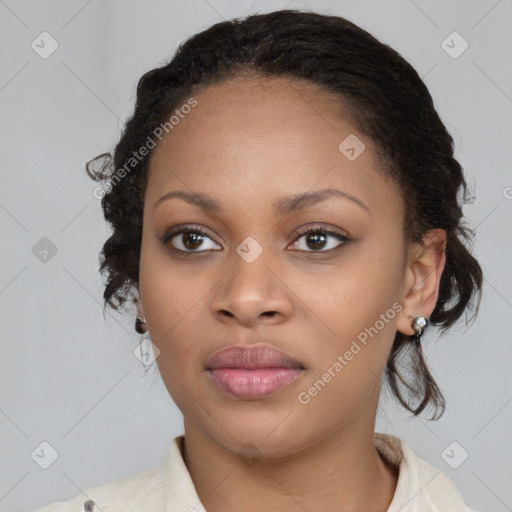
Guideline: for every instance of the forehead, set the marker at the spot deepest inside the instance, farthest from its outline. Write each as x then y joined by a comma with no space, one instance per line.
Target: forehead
265,138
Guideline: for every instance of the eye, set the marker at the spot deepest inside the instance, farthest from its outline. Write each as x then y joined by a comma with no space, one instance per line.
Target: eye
190,239
318,237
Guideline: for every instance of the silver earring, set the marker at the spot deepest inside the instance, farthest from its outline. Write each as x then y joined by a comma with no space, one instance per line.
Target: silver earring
419,324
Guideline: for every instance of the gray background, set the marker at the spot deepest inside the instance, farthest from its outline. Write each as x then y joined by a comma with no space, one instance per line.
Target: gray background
68,377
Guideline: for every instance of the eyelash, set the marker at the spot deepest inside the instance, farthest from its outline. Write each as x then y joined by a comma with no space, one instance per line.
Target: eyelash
318,229
322,229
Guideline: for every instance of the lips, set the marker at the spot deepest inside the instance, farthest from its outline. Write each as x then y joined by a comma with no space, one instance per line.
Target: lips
251,358
253,372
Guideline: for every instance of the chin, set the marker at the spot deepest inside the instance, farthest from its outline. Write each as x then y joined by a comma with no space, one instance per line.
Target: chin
258,437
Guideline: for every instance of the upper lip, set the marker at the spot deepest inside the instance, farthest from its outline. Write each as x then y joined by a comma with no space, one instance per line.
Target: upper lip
252,357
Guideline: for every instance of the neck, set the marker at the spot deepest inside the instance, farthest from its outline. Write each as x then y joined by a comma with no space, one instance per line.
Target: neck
341,472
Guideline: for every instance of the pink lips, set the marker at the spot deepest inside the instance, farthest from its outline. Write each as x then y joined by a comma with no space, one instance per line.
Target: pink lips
253,372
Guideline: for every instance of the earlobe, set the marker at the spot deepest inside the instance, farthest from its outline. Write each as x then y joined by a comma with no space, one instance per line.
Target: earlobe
140,319
140,309
422,278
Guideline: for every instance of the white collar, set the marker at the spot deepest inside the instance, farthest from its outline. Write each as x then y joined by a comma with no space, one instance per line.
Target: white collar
169,487
420,486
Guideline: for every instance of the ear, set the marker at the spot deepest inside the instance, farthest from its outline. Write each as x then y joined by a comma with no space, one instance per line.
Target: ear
138,303
140,309
425,264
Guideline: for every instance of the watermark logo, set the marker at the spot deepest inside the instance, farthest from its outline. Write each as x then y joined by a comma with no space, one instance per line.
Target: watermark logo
253,458
454,45
146,352
143,151
44,455
44,45
44,250
351,147
249,249
304,397
454,455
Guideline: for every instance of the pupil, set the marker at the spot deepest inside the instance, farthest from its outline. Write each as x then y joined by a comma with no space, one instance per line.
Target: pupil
194,238
314,238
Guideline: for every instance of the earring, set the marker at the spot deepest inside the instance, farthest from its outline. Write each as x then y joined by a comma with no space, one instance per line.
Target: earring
145,351
139,322
419,324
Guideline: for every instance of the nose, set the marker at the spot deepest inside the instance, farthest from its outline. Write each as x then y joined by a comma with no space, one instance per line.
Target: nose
253,293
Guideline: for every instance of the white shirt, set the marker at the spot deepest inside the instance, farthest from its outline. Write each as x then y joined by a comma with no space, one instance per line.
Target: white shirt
169,487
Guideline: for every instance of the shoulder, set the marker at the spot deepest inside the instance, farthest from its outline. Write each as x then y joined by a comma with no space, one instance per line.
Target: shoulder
434,487
141,491
157,489
421,487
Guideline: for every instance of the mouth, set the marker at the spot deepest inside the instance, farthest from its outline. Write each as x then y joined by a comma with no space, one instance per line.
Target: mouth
253,372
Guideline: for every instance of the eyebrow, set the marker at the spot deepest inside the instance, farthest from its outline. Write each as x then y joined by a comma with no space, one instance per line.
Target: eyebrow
284,206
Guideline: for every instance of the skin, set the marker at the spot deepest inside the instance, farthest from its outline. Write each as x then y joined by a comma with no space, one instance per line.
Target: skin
248,143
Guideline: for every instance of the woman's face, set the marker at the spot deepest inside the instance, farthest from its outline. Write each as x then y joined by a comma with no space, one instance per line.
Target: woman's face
256,280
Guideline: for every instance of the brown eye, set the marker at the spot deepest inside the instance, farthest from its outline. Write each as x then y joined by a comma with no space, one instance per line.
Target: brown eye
316,240
319,239
190,240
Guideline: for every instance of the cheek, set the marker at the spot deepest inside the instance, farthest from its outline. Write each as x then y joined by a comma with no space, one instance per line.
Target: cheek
180,361
358,303
168,293
350,295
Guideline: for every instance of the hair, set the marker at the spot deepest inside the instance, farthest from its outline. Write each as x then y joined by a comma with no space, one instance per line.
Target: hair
389,104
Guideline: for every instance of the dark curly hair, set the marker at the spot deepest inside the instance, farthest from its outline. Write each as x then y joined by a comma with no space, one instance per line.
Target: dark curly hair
388,102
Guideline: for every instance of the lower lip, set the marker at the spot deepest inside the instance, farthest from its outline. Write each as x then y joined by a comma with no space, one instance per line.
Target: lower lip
253,384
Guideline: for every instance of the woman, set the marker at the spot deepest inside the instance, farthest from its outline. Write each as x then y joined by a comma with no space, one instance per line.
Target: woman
284,204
